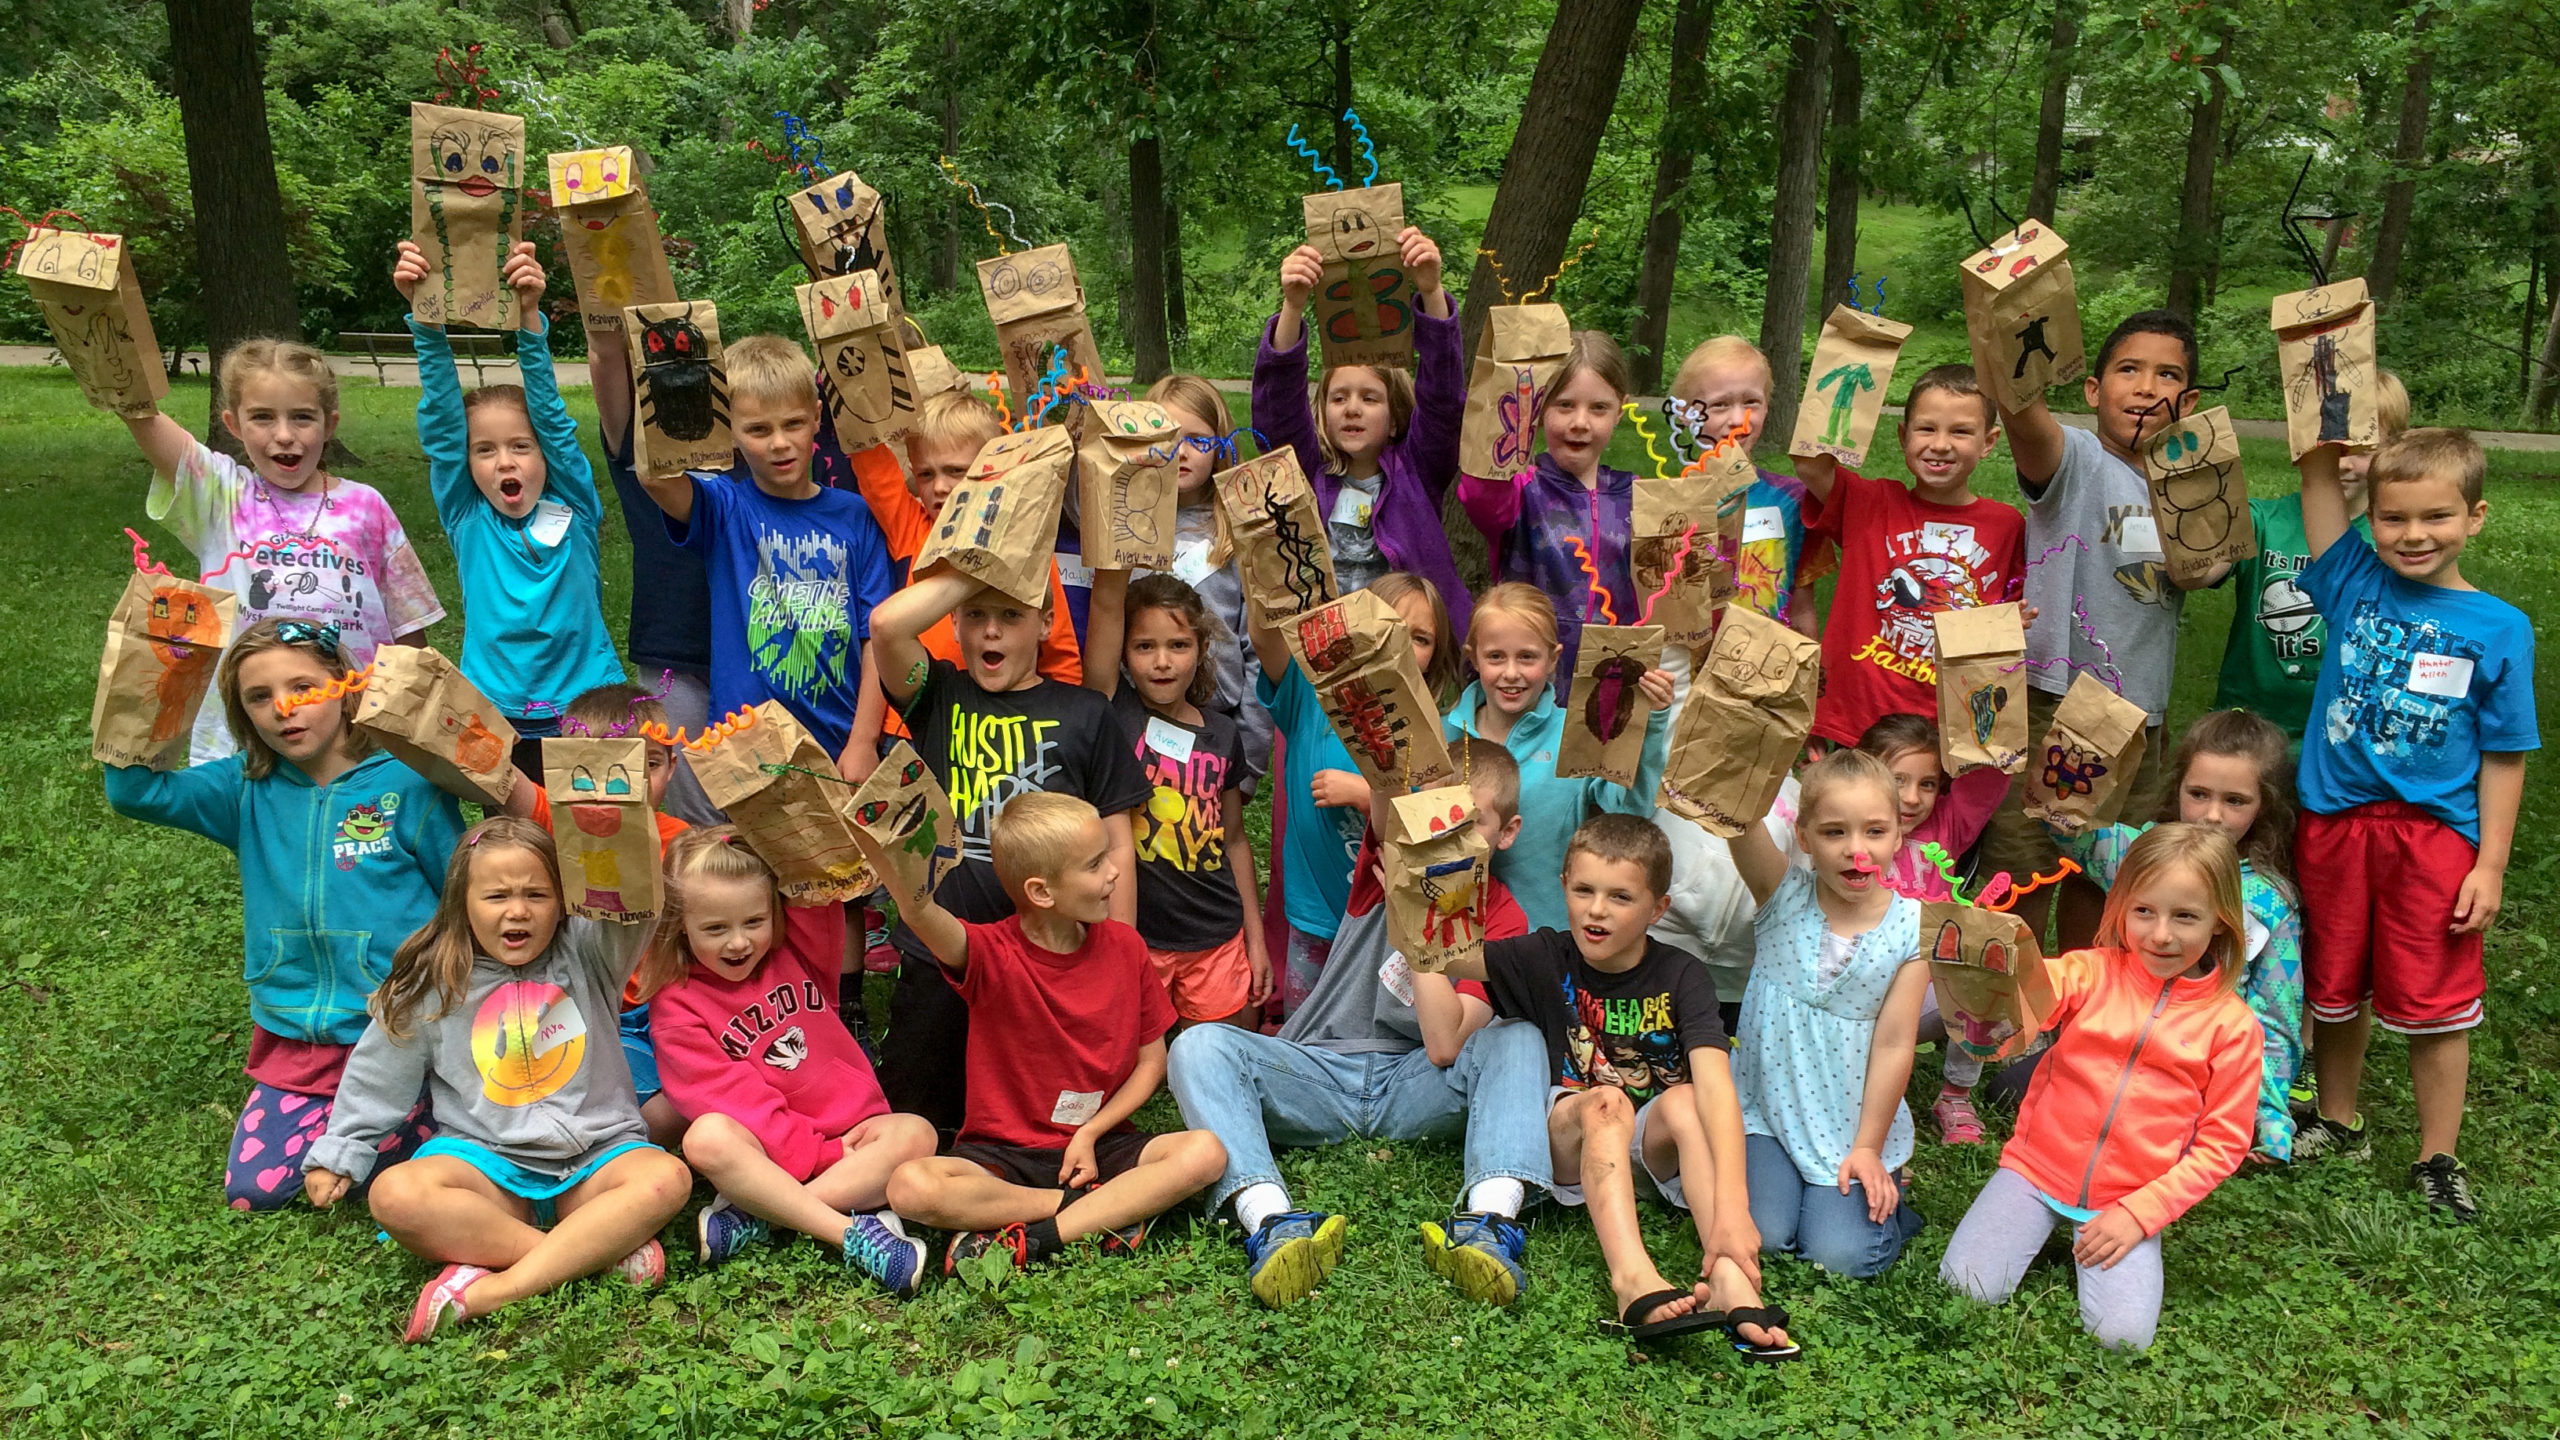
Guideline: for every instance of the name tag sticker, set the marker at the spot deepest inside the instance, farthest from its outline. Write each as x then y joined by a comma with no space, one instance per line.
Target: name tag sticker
1075,1107
1191,561
1763,522
561,1023
1073,571
1352,507
2447,675
1168,740
2141,538
550,523
1397,976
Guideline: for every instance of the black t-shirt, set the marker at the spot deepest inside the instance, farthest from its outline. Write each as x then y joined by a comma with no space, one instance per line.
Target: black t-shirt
1634,1029
670,590
1187,896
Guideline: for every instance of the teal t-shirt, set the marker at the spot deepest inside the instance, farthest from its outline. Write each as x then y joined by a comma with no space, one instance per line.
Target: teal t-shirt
2272,659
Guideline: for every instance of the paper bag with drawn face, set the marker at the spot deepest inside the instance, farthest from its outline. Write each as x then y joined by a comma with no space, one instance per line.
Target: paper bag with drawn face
932,372
1519,357
1364,305
2324,348
466,210
1688,528
2079,777
1000,523
1990,978
1038,306
842,227
85,285
679,390
2022,314
869,392
1358,655
417,705
610,233
1982,689
2198,498
1852,367
164,641
1435,868
1745,722
1126,484
783,792
904,811
602,824
1604,723
1283,556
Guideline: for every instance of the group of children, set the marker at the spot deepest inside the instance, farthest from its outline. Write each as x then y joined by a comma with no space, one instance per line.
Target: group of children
1729,1026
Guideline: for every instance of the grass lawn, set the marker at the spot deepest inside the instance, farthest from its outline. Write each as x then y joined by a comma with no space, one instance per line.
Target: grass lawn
131,1303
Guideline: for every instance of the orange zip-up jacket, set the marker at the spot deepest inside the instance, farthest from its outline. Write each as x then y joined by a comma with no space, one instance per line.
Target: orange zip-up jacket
2147,1097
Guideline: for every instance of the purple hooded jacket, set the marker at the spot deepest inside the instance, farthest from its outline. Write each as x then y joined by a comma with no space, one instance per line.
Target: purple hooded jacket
1528,518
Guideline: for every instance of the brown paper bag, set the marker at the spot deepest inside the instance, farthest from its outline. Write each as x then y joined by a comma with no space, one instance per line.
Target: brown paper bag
1694,518
1126,485
1359,657
1990,978
1853,365
2198,498
2089,758
1519,356
600,819
1435,868
1604,723
842,226
1000,523
1364,305
2022,314
869,392
1982,688
679,390
164,641
2324,347
85,285
903,808
783,792
609,231
418,706
466,210
1745,721
1038,306
932,372
1283,555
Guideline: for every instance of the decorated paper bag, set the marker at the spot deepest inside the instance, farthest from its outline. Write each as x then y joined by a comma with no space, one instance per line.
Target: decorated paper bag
904,810
932,372
2022,314
1745,722
601,821
164,639
1038,306
418,706
2079,779
466,173
1990,978
2324,347
1364,305
1520,355
1435,871
2198,498
1605,719
1268,511
783,792
1000,523
842,228
1688,530
84,283
610,233
869,392
1982,689
1126,485
1359,657
680,392
1852,365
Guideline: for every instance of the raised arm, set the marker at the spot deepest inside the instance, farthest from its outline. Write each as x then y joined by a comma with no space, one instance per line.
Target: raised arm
2035,444
571,478
1281,412
609,370
898,624
163,441
1439,370
1106,622
2324,500
443,434
939,929
1757,859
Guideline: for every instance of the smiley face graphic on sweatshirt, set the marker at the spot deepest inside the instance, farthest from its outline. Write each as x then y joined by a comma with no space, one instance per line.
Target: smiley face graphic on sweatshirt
528,1040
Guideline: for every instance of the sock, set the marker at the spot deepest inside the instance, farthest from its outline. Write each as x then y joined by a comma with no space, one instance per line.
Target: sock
1499,1196
1041,1239
1258,1202
1954,1092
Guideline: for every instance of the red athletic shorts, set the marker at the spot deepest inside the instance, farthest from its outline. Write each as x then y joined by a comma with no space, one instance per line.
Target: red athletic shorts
2379,886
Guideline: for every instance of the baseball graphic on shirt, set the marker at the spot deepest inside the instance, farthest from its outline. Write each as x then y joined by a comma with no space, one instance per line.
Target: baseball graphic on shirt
527,1040
2285,607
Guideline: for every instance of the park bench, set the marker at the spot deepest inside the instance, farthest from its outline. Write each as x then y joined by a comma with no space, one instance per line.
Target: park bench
475,347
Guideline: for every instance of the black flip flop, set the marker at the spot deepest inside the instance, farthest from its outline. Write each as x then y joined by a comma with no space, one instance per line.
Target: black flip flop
1767,1317
1701,1319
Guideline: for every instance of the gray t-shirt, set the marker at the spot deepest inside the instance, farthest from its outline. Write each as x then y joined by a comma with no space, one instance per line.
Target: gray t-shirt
2116,573
1351,1011
1356,561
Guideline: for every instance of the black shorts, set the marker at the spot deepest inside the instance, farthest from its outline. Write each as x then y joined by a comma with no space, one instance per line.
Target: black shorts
1114,1155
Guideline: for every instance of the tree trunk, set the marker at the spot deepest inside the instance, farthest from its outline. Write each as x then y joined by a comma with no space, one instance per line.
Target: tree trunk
2191,250
1346,143
946,256
1791,220
2044,194
1177,303
1152,356
2337,229
1840,200
2382,274
1674,155
740,17
2546,374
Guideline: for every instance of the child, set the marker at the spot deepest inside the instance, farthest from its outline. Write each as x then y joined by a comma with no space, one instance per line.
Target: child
2142,1104
1513,703
486,1011
1631,1023
1828,1027
290,539
1198,408
520,505
2411,777
1724,385
340,849
1383,462
1069,1042
788,1120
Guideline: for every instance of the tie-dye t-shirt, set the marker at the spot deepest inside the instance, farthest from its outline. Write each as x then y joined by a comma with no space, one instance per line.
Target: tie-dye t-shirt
333,553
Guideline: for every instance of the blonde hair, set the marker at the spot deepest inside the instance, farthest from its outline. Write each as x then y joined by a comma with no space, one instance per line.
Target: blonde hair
1493,775
1844,768
2208,854
2390,404
257,758
1034,835
714,852
1716,353
1399,387
295,361
1442,674
434,964
772,369
613,712
1592,351
1197,394
954,417
2431,452
1521,601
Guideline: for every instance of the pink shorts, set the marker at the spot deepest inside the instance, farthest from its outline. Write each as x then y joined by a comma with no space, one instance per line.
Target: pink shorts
1207,984
2377,919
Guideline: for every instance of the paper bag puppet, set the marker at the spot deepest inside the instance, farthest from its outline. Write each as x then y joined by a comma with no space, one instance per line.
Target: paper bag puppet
2080,777
1126,485
1990,978
1435,868
781,789
1038,306
904,811
842,226
164,640
1000,524
870,395
609,231
1605,718
2324,348
1359,657
85,285
1688,531
2022,314
1982,689
1364,305
931,372
466,174
2198,497
601,821
680,393
1852,366
1283,556
1520,355
1745,722
418,706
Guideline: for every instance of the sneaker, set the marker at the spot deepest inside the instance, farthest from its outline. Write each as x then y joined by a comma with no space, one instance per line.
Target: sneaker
2447,1187
1123,1241
645,1267
723,1230
2320,1138
1480,1253
1957,1124
879,1246
2304,1098
1291,1254
972,1244
440,1302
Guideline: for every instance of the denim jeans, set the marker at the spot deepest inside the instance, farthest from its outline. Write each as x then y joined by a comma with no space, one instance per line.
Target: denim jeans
1254,1091
1816,1222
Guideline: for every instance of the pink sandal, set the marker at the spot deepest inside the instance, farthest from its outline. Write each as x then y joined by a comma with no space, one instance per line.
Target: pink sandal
1957,1124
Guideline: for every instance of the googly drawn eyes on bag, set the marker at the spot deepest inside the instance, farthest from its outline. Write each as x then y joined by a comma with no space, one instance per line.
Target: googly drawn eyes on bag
911,772
870,811
582,781
617,780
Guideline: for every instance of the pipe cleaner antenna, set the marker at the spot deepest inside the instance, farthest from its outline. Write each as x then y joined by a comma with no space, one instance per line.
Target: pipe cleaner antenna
1548,285
467,76
10,257
339,688
813,162
1011,226
1315,158
1945,864
1368,151
2009,897
142,560
1591,577
995,390
1652,443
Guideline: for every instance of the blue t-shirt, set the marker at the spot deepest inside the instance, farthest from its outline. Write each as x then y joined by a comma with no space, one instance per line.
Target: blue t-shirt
2418,683
792,586
670,589
1320,843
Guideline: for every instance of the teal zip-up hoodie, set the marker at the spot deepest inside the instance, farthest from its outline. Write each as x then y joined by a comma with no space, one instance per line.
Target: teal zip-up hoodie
332,877
1552,807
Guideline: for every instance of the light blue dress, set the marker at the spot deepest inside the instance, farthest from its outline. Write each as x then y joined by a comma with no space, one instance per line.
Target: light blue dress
1800,1058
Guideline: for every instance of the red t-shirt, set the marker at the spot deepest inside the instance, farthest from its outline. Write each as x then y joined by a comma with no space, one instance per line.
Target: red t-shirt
1902,560
1503,917
1053,1037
